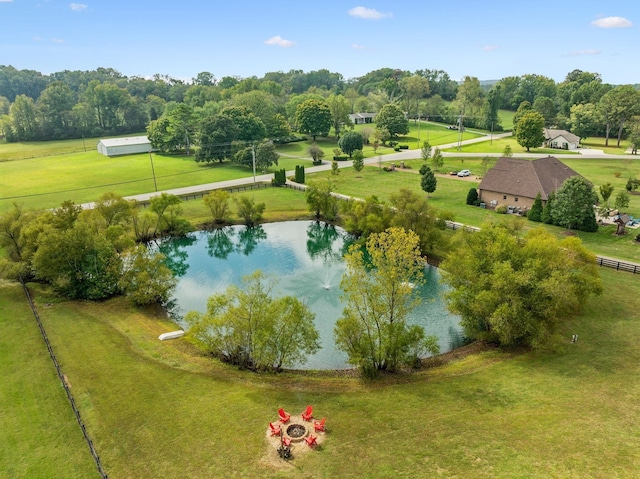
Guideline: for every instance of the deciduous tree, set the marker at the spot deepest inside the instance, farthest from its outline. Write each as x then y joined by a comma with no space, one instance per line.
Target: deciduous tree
391,118
517,290
350,142
530,130
574,205
373,329
246,326
313,117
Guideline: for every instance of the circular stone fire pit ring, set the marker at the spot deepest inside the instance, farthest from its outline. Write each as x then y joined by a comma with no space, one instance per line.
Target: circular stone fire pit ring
296,432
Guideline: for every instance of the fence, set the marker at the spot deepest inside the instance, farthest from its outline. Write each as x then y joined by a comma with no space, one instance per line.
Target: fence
618,265
602,261
202,194
61,376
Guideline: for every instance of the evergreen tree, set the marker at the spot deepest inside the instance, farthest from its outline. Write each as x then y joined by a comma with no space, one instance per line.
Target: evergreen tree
535,213
472,196
428,181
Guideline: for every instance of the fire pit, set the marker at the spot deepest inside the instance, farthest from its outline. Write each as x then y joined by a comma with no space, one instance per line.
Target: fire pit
296,432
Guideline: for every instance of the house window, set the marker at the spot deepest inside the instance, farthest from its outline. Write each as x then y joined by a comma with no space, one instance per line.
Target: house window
504,197
516,198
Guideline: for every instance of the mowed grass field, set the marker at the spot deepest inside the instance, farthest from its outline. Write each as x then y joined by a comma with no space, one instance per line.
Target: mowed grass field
47,180
159,409
451,194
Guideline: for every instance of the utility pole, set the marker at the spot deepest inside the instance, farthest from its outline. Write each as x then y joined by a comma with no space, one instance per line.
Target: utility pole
153,172
253,157
459,132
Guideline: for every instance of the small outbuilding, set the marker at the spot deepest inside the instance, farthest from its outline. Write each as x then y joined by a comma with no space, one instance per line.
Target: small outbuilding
124,146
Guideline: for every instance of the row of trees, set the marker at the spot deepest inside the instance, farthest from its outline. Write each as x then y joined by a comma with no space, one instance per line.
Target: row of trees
92,254
93,103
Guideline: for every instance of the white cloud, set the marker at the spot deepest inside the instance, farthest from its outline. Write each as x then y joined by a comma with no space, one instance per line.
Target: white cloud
78,7
612,22
490,48
280,42
57,40
355,46
368,13
577,53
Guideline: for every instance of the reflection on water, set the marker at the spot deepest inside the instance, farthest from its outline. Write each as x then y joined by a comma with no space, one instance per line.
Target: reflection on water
306,257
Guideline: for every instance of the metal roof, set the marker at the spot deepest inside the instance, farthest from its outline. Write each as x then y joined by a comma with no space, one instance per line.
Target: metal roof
130,140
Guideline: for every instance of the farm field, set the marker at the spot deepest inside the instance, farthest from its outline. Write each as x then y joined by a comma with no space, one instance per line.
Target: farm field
160,409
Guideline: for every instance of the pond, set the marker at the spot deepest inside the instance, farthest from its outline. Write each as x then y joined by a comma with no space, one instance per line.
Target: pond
306,257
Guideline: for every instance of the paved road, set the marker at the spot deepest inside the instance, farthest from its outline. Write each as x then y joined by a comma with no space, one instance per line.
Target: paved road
392,157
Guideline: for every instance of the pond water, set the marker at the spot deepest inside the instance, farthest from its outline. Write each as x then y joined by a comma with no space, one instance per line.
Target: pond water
306,257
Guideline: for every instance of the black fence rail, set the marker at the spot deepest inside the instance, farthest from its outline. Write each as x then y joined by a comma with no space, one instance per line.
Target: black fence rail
618,265
61,376
202,194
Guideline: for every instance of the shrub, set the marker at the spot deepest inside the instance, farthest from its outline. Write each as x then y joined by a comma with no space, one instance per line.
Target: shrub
403,147
396,148
299,177
638,237
317,162
617,174
279,177
340,158
393,143
472,197
501,209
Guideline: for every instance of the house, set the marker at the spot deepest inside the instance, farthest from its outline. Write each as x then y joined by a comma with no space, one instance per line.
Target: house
124,146
516,182
562,139
362,118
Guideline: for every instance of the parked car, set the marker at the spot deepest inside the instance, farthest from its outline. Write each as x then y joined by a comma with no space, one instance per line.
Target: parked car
462,173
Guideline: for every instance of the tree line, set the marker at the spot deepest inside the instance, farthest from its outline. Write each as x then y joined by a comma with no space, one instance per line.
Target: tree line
71,104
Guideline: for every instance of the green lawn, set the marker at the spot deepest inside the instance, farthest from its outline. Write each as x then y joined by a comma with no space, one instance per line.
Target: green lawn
35,149
40,436
158,409
451,194
599,144
497,145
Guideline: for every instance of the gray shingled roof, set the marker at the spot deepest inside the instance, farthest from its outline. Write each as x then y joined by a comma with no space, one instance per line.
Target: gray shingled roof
550,134
526,178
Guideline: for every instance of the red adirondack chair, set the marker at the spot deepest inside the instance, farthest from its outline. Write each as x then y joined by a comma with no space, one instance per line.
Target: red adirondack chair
275,429
286,441
284,416
319,425
308,413
311,441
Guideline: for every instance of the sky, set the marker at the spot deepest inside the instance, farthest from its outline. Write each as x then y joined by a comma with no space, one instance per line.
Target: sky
489,40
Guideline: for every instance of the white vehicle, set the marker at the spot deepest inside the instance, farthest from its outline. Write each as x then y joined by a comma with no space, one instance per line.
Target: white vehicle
462,173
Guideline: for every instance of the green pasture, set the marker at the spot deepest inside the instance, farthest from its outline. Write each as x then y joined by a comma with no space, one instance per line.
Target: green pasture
35,149
497,145
598,143
451,194
159,409
283,204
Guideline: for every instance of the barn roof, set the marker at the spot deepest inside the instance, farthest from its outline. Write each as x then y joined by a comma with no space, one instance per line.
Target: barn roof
130,140
526,178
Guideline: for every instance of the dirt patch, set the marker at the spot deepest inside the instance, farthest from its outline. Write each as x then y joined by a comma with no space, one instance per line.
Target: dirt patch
272,460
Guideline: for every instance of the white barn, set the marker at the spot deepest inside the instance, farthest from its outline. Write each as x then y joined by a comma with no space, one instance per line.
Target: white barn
124,146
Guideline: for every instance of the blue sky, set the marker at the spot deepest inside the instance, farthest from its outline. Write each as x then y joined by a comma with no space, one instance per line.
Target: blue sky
489,40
